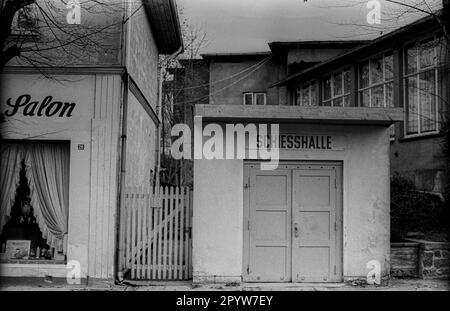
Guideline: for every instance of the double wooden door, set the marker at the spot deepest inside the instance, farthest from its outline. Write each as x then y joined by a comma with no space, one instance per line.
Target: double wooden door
293,223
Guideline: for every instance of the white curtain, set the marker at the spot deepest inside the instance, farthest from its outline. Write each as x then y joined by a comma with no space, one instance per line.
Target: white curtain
47,169
10,163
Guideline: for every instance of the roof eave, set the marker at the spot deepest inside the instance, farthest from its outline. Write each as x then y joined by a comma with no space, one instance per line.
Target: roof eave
165,25
356,50
323,44
234,55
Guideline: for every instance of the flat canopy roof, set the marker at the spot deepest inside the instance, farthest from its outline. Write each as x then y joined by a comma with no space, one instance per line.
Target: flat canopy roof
301,114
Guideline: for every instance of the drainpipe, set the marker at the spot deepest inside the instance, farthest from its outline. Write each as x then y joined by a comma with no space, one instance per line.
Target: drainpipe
119,251
159,106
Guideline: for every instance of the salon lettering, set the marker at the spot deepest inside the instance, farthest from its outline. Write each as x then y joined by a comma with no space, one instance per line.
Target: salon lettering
46,107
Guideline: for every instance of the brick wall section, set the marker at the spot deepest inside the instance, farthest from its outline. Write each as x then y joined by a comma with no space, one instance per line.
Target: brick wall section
142,54
405,259
435,260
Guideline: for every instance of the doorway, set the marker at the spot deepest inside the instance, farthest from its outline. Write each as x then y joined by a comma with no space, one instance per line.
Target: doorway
293,222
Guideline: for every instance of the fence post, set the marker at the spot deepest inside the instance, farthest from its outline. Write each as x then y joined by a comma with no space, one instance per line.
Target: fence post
180,234
191,211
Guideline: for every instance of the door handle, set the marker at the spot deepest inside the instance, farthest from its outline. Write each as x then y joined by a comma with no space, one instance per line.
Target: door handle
296,229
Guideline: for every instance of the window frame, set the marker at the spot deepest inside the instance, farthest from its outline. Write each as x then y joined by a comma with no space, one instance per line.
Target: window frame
417,73
383,83
53,261
332,97
254,95
298,89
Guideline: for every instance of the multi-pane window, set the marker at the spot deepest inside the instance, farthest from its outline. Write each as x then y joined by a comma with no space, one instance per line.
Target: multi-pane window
336,89
376,82
420,80
254,98
306,95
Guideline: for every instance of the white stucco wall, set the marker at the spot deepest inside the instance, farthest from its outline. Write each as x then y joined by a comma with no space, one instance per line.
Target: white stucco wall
218,203
217,220
141,146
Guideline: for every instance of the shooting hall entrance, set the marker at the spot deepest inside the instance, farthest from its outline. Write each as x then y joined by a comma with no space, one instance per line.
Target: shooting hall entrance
293,222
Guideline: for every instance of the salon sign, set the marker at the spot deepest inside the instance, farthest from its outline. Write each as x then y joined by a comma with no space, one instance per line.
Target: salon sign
48,106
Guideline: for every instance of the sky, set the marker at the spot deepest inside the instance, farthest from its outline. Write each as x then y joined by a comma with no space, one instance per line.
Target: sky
248,25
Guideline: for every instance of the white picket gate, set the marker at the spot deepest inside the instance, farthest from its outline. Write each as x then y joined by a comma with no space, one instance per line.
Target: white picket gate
155,240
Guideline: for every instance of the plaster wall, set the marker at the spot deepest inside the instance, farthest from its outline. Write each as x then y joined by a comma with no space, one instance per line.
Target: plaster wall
218,203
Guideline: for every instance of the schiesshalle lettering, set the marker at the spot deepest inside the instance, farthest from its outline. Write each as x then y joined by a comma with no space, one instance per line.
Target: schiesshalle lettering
47,107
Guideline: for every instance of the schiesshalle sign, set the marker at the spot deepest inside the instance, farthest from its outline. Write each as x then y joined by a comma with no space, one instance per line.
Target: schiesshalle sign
47,107
290,141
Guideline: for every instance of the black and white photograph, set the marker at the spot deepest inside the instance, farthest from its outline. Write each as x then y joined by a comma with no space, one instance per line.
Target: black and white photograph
224,150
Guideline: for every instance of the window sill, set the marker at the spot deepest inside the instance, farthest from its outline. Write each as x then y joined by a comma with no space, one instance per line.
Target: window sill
40,269
24,34
421,136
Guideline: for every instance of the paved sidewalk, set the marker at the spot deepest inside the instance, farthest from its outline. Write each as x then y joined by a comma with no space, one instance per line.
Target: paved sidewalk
393,284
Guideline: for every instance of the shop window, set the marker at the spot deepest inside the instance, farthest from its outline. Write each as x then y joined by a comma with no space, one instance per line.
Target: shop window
336,89
255,98
421,88
34,201
376,82
306,95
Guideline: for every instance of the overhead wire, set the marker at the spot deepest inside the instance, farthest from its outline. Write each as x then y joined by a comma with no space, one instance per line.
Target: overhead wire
227,86
227,78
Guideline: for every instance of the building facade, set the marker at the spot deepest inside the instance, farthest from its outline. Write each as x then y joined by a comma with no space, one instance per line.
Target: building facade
90,123
350,114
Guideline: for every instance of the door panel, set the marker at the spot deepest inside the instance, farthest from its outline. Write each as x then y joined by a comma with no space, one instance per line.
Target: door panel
314,218
293,223
269,227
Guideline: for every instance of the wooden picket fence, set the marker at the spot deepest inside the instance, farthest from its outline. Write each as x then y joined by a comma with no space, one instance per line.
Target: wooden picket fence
156,241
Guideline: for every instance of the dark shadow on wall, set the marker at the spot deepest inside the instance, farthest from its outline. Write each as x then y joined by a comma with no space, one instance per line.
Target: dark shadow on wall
415,213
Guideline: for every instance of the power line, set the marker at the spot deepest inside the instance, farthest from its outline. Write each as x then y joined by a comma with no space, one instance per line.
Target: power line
227,86
227,78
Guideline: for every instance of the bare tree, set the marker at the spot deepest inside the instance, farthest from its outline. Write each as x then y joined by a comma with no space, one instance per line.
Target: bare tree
393,14
179,75
40,33
44,34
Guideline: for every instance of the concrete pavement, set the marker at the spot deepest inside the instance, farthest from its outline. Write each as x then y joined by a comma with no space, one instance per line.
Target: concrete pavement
394,284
